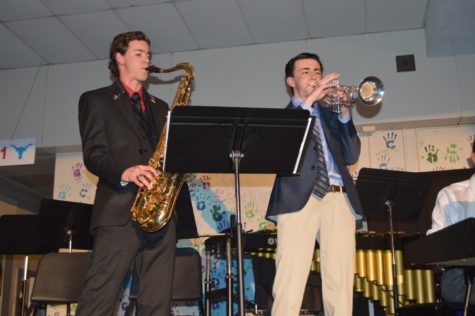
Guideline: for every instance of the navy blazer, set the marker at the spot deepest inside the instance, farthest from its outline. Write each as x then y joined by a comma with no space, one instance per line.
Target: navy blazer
291,192
112,141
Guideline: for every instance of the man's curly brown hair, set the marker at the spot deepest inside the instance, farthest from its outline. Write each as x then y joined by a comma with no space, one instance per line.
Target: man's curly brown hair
120,44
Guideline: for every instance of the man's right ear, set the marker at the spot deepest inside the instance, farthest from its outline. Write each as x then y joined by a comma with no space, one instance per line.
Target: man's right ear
290,82
119,58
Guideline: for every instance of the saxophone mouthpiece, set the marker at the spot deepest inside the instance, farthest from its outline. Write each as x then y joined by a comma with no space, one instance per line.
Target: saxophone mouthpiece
153,68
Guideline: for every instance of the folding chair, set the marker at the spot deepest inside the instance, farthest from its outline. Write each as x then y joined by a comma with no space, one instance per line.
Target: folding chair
60,278
187,280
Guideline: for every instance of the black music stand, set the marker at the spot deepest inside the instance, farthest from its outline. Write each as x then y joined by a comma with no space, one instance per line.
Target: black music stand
186,226
56,226
392,195
236,140
19,236
64,224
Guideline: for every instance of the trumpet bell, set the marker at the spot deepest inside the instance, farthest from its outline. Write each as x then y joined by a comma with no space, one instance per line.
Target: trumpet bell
371,91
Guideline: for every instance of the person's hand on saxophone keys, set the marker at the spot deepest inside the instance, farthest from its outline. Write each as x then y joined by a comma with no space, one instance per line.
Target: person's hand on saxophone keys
141,175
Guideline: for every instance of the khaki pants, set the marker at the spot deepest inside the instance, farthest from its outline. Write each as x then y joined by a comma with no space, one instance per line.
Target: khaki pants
331,221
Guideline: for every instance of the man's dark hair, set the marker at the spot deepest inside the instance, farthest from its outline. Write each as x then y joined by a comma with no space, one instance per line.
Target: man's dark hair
290,66
473,145
120,44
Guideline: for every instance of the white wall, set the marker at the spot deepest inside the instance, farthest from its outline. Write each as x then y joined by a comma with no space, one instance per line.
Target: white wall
42,102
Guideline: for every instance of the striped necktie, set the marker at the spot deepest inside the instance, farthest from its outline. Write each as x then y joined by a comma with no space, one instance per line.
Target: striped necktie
321,185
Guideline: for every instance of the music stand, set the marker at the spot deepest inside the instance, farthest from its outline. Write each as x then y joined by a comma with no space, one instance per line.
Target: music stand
236,140
395,195
186,226
53,228
63,224
19,236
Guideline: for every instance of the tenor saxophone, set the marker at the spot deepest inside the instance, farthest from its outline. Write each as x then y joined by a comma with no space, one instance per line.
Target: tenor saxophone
153,208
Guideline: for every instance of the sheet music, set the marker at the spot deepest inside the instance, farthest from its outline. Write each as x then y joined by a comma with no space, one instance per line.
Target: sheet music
299,156
166,140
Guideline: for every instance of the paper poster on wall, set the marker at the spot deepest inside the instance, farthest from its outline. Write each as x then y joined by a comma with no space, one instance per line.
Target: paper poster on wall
444,148
387,150
363,160
72,181
214,201
17,152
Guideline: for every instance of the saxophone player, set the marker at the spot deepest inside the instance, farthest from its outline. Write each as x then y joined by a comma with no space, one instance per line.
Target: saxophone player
119,126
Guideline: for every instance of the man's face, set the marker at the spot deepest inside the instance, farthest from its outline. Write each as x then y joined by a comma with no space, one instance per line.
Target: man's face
133,63
306,73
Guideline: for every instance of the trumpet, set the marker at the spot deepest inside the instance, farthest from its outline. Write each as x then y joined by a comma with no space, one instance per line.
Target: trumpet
369,92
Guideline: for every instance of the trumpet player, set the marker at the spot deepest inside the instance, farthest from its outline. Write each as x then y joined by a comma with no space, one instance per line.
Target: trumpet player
319,204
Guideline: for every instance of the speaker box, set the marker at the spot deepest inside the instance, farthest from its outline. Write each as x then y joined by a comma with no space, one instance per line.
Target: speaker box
405,63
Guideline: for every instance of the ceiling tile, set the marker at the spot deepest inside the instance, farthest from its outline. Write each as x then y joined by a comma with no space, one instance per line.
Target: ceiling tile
95,30
51,39
329,18
394,15
450,28
133,3
80,30
22,9
274,20
75,6
15,53
162,24
215,23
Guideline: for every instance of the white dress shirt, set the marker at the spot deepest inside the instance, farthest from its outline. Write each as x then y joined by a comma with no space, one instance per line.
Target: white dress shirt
454,203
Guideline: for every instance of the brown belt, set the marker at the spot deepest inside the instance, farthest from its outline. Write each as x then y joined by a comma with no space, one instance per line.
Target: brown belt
337,188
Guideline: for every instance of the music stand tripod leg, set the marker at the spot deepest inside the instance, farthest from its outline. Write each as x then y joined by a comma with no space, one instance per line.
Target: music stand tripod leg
469,275
236,157
207,283
24,289
229,277
393,254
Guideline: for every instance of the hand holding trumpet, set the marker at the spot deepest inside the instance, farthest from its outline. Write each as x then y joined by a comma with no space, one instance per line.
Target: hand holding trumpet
322,87
341,98
328,87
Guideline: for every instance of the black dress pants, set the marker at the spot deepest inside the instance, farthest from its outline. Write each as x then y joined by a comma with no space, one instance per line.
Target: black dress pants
115,250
